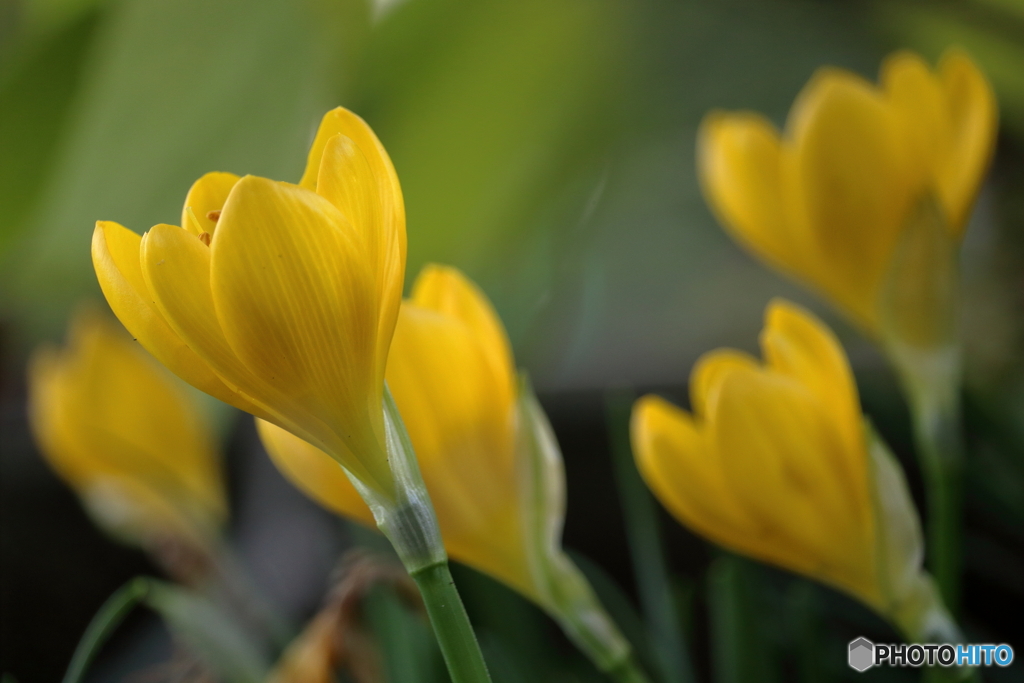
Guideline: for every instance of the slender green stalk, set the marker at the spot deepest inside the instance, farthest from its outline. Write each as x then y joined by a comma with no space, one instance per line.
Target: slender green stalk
646,549
803,601
740,652
565,590
106,621
410,523
919,323
584,619
937,430
451,624
931,381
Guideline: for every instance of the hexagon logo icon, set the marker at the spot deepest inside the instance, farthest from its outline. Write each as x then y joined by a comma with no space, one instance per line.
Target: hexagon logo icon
862,654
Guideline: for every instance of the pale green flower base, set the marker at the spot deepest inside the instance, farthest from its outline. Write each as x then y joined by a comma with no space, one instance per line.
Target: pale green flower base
919,314
565,592
932,387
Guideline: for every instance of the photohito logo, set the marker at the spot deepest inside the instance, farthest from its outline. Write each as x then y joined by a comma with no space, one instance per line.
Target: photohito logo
863,654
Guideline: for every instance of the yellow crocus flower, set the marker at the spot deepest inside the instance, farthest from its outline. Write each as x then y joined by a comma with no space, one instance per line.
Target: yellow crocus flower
487,454
776,462
113,426
279,299
829,201
453,378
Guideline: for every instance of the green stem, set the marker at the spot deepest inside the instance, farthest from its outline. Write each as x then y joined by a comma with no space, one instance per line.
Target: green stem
410,523
919,327
740,652
106,621
565,591
937,430
646,549
451,624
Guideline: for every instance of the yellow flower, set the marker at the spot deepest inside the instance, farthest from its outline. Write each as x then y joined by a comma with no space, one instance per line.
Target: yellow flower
111,424
279,299
828,202
487,454
453,378
775,462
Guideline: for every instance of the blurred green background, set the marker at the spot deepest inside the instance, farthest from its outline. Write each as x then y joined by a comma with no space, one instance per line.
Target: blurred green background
546,147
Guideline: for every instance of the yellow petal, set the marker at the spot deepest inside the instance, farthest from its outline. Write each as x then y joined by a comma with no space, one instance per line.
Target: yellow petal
357,177
112,424
673,456
739,160
116,259
206,194
798,345
462,427
709,372
446,290
176,268
853,180
974,117
314,472
296,301
779,450
341,121
918,102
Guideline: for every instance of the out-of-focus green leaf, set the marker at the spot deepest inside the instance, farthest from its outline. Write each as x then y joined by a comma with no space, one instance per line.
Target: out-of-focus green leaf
34,20
740,650
36,97
173,90
216,638
407,645
620,607
490,110
514,633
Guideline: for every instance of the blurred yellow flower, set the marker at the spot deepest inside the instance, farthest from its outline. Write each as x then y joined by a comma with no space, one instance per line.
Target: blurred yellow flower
829,201
488,457
112,424
775,462
279,299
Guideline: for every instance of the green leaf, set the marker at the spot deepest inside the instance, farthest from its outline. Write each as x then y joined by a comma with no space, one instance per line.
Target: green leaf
407,646
740,651
37,94
103,625
220,641
489,126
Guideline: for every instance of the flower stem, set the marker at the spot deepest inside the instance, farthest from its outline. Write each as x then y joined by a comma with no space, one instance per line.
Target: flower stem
937,430
931,382
565,591
410,523
646,549
106,621
451,624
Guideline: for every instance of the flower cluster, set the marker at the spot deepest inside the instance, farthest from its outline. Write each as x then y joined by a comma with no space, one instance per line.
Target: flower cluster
409,416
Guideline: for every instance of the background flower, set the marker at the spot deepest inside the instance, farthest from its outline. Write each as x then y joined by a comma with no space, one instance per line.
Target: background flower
118,430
